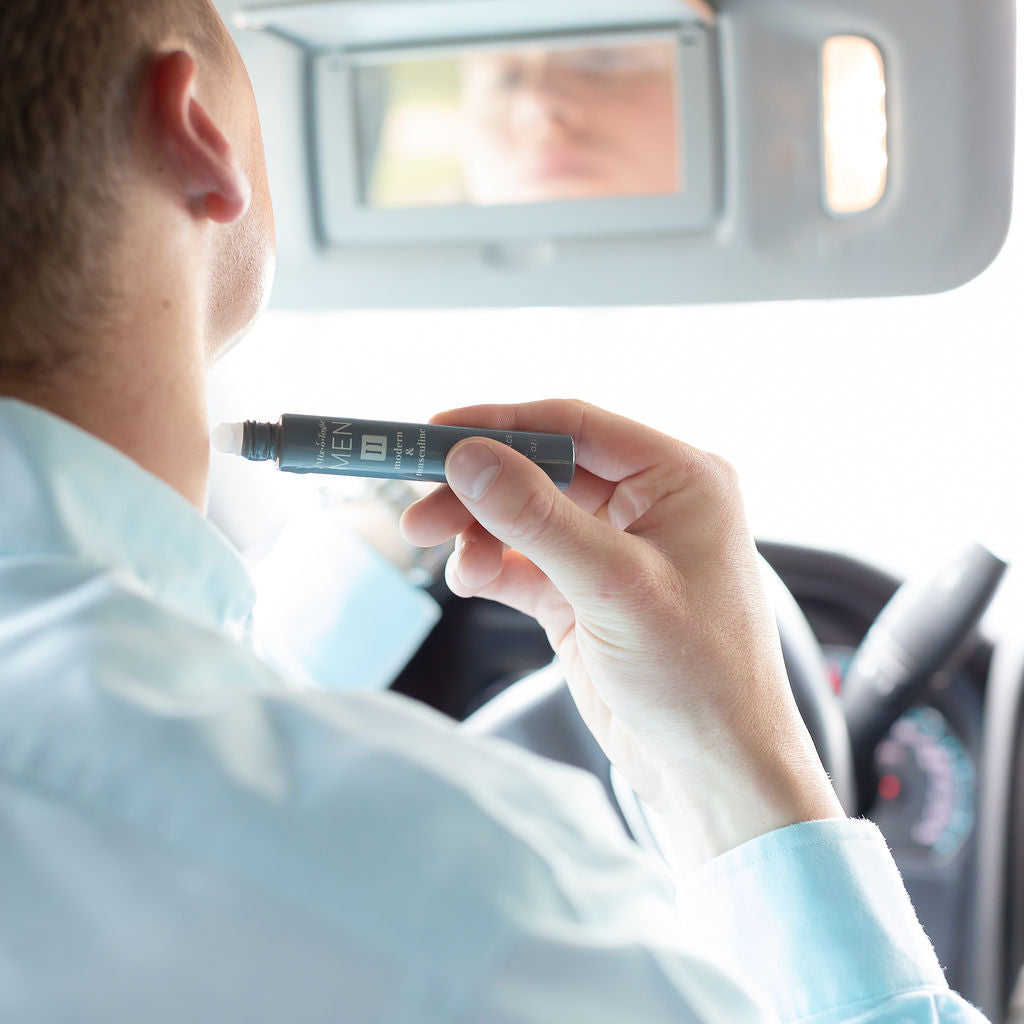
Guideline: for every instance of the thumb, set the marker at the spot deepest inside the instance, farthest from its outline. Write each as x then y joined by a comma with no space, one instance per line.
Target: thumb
515,501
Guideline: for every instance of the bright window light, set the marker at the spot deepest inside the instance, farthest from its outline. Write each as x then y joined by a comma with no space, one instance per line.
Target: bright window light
856,151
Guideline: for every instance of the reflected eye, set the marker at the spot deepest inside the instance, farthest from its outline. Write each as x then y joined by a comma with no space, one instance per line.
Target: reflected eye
596,61
507,77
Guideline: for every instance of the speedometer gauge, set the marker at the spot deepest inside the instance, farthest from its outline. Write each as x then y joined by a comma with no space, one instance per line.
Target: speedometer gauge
925,803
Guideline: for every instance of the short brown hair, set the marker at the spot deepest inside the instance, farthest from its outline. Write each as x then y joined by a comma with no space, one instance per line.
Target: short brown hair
69,75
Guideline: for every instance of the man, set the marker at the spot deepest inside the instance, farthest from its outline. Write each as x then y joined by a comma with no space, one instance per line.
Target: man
186,837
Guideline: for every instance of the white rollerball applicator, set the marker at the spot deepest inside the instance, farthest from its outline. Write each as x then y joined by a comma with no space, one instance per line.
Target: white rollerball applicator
228,438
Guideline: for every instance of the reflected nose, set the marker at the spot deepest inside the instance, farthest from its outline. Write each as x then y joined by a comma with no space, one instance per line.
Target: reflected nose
543,106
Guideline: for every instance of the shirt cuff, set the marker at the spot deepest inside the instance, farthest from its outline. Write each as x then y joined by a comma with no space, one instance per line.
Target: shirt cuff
814,916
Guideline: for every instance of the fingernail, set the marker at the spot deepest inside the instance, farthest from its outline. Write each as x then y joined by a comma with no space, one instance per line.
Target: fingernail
471,468
461,546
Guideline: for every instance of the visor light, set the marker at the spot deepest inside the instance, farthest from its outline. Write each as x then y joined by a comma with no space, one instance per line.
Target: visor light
855,127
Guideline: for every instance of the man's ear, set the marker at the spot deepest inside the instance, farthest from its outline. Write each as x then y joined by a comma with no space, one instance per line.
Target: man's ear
192,149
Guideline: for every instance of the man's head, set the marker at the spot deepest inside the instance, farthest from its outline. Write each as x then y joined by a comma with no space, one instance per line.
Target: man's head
101,103
547,123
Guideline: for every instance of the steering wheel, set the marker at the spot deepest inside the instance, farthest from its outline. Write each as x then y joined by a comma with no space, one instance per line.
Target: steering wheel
538,713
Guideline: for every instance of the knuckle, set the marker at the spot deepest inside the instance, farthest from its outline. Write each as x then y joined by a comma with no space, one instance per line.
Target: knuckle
634,497
718,478
579,409
583,409
724,470
533,518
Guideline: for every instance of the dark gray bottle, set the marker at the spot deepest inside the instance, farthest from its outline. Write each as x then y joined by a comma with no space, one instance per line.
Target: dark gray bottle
388,450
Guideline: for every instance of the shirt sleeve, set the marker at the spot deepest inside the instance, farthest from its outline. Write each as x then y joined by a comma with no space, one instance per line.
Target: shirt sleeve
815,920
810,923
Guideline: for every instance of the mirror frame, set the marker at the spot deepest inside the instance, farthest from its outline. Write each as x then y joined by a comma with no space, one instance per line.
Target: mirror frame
345,219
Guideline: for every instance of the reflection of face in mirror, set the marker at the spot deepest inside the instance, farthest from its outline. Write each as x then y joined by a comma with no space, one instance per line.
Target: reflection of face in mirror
530,124
544,124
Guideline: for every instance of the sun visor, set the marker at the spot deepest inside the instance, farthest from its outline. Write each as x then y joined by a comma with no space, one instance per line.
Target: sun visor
516,152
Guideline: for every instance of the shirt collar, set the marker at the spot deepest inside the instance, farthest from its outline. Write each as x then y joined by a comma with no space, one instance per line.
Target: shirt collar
65,492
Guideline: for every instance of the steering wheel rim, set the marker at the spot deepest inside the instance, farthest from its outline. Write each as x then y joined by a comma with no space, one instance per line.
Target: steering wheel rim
538,713
819,705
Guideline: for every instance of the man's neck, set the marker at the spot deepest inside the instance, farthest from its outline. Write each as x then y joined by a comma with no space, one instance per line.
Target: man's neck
149,401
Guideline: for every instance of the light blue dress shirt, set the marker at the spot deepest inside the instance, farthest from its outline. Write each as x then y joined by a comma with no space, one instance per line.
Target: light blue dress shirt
186,837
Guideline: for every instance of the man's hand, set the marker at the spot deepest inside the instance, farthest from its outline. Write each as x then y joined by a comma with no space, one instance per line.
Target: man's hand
645,577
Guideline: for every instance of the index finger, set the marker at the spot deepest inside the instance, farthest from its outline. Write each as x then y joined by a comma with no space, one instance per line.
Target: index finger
608,445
